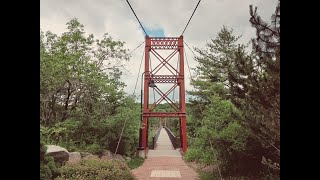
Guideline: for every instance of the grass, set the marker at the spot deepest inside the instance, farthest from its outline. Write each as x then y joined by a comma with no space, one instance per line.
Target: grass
135,162
207,176
211,176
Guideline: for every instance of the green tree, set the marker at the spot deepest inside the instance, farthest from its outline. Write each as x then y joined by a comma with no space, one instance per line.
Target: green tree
77,72
256,85
214,64
82,103
48,169
212,123
250,82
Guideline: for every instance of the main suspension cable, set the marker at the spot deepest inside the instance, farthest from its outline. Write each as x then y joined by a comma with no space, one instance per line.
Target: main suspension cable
137,18
191,17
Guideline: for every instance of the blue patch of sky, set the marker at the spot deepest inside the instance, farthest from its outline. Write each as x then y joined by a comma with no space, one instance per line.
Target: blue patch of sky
154,32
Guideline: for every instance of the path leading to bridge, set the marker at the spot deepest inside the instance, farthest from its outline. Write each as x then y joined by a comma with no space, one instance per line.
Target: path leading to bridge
164,162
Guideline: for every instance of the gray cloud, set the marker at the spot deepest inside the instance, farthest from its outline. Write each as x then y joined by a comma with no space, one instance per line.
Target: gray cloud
115,18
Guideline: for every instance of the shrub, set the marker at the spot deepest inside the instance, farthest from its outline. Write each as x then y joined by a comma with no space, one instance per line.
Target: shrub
92,169
193,154
48,168
135,162
94,148
208,176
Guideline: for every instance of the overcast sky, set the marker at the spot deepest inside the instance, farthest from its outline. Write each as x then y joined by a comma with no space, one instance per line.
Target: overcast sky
159,18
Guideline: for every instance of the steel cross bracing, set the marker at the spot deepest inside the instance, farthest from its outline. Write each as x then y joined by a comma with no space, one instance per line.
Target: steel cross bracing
175,77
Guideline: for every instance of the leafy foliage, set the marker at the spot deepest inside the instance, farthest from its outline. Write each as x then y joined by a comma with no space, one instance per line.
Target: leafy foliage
96,169
82,103
235,113
223,137
79,75
135,162
48,169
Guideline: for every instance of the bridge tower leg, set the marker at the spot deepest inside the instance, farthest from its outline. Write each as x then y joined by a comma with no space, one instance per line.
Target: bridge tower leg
182,98
146,94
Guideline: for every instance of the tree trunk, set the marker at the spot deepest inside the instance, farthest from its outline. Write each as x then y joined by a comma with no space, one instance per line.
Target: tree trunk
65,113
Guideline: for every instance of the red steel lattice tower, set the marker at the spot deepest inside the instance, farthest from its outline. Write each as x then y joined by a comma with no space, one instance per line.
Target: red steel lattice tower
175,77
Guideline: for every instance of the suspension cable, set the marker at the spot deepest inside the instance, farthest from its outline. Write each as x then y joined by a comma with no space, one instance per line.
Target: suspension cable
187,59
188,66
191,17
176,74
130,54
138,74
125,121
137,18
150,66
189,48
154,96
136,47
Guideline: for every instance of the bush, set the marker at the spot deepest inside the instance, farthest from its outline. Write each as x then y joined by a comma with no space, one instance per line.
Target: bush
135,162
94,148
96,169
48,169
208,176
193,154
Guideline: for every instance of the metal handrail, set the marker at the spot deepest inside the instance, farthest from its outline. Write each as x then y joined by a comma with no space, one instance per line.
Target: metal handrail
172,138
155,138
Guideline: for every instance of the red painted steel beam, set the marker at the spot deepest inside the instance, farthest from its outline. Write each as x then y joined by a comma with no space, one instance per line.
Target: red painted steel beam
164,62
163,96
146,94
165,78
164,43
162,114
182,97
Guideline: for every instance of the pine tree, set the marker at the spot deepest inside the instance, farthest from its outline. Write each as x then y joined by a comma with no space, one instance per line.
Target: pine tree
250,81
256,84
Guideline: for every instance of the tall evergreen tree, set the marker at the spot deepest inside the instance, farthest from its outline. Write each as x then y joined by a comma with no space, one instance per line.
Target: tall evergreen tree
256,84
251,81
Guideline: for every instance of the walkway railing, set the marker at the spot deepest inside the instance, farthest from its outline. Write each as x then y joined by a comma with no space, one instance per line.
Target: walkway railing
155,138
172,138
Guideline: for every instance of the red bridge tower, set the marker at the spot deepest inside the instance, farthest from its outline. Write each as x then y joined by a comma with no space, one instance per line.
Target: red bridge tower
175,77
